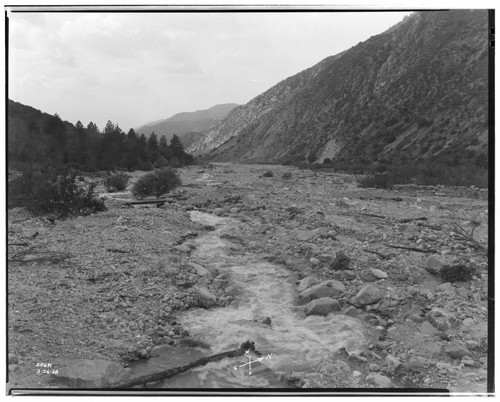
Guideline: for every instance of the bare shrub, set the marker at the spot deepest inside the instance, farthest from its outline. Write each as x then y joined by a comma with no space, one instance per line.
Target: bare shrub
47,191
457,273
156,183
116,182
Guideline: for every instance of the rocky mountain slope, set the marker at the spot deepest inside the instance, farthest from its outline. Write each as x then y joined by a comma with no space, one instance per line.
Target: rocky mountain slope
415,92
188,125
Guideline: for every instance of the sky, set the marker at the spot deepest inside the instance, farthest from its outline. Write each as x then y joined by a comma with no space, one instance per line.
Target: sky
135,68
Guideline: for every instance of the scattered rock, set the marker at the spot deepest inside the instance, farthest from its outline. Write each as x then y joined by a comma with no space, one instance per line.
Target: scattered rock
368,295
91,374
468,362
267,321
200,270
304,235
416,363
457,349
427,329
322,306
425,344
348,275
324,289
13,359
433,265
468,322
447,288
440,319
367,276
379,274
392,363
341,262
306,283
401,277
183,248
351,311
378,380
462,292
206,296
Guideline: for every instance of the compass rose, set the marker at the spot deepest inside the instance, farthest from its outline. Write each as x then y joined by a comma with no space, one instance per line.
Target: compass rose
250,361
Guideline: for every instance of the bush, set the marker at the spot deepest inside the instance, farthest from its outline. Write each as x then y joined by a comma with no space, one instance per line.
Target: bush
156,183
457,273
377,180
46,191
116,182
312,157
287,175
269,173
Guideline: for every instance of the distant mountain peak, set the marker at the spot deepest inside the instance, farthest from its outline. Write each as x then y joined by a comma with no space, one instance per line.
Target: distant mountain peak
187,125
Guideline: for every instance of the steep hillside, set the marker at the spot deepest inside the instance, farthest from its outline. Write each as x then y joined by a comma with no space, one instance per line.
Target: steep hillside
415,92
35,136
187,125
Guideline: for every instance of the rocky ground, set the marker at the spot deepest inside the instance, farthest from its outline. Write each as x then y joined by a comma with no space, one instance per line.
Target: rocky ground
109,286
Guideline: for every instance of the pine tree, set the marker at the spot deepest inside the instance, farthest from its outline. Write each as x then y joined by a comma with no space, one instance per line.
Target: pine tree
153,148
55,132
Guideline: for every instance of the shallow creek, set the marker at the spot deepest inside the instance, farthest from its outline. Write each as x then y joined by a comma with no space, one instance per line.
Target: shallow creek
292,342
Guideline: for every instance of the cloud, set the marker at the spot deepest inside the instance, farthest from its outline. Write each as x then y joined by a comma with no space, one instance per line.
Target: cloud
133,68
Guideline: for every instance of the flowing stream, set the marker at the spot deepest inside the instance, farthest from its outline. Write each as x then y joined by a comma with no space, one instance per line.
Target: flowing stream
293,342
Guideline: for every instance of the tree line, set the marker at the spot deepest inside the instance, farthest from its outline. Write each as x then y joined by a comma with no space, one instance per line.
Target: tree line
48,141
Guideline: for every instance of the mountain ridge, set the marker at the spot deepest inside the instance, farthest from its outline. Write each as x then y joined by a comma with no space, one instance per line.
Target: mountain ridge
417,91
190,125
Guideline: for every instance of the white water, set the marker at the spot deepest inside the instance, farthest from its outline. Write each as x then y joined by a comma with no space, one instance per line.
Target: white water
295,342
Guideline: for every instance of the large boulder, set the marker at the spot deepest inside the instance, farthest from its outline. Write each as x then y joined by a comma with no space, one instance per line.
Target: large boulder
378,380
416,363
342,261
442,320
433,265
322,306
368,295
91,374
304,235
447,288
393,363
331,288
206,297
200,270
306,283
457,349
425,344
378,273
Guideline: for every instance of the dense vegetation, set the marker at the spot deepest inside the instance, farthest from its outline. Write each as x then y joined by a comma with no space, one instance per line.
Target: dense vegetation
39,139
385,175
156,183
50,191
116,182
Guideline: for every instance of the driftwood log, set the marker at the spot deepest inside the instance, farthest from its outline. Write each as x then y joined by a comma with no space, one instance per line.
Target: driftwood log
421,218
158,202
418,250
144,379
